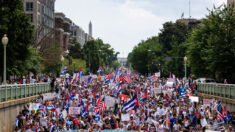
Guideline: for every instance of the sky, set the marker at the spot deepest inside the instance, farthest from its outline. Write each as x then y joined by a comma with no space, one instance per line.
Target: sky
125,23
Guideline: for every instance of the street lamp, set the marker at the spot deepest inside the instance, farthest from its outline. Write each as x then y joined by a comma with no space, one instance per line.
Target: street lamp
4,42
62,60
185,60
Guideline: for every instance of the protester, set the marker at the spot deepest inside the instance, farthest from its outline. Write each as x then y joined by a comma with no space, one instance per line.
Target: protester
122,101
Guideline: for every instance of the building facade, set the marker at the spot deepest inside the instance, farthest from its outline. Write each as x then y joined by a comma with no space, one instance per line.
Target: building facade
122,61
78,33
41,14
62,34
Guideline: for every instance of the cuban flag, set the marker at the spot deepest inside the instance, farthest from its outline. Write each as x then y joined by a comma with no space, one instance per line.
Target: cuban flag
85,110
145,96
97,116
99,70
65,70
81,72
68,123
182,95
49,107
42,107
114,79
189,93
121,79
75,77
120,88
131,104
53,128
81,103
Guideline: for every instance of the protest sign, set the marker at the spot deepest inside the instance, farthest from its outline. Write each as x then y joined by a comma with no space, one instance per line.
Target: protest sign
49,96
203,122
157,90
109,101
43,121
194,99
158,74
74,110
206,102
64,114
170,82
125,117
34,106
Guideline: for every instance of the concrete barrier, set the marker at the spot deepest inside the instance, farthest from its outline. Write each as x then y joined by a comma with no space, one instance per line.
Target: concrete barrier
9,110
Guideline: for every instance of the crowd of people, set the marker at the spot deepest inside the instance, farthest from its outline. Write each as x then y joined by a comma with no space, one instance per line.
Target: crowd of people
29,79
123,101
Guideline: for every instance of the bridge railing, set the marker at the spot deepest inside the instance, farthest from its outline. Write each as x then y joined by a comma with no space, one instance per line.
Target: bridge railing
221,90
8,92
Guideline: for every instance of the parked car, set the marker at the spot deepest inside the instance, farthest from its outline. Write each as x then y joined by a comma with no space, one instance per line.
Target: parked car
205,80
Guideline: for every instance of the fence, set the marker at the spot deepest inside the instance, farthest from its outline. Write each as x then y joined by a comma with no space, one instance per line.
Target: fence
222,90
8,92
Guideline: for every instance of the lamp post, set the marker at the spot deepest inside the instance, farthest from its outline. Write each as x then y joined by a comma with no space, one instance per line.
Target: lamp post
4,42
159,65
62,60
185,60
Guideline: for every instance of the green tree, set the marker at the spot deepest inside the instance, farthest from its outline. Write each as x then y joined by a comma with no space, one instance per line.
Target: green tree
15,23
76,65
75,49
99,54
211,47
145,56
172,38
52,59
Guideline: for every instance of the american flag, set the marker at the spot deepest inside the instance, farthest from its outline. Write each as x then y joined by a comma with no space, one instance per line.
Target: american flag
219,112
100,106
127,79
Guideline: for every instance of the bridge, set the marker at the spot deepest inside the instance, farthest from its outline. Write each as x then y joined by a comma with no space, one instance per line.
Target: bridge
223,92
13,98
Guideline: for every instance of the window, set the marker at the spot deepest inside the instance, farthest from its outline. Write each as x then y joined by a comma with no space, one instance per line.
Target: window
39,7
30,17
29,6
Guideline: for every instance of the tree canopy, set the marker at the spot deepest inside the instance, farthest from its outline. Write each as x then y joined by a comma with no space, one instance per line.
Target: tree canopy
211,47
100,54
15,23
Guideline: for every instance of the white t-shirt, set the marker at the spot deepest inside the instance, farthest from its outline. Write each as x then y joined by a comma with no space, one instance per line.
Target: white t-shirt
176,126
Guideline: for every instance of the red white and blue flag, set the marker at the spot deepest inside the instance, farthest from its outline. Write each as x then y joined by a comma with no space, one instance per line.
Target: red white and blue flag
131,104
100,106
145,96
99,70
127,79
65,70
